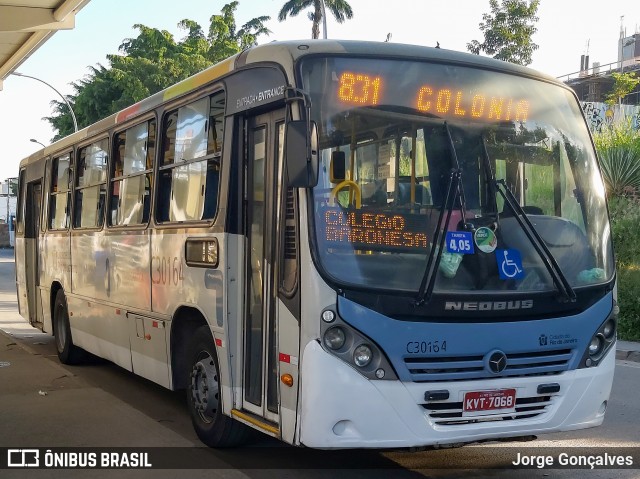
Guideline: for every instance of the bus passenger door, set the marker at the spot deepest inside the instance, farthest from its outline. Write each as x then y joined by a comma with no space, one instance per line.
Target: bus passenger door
32,252
261,395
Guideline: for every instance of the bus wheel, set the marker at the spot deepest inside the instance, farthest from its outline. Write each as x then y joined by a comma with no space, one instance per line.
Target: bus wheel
203,395
68,353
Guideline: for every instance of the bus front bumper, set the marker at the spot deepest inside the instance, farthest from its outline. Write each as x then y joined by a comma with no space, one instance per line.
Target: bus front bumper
343,409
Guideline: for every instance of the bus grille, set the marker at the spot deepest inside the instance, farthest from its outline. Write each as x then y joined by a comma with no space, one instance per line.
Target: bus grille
450,413
462,368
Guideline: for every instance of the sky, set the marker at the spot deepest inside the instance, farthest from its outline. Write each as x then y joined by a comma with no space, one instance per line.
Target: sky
565,28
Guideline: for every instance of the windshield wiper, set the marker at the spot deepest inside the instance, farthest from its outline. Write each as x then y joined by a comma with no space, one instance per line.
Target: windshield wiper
558,277
454,190
490,180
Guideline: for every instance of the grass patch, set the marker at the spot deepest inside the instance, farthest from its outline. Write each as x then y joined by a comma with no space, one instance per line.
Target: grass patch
625,225
629,301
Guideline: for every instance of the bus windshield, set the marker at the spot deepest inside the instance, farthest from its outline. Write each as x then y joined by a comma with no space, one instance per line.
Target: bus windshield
489,177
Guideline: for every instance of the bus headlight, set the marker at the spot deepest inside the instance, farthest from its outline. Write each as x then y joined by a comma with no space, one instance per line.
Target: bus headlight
334,338
343,341
595,346
609,329
362,355
601,342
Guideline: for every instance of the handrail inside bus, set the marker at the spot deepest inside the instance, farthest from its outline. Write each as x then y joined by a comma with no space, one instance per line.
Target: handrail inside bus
353,187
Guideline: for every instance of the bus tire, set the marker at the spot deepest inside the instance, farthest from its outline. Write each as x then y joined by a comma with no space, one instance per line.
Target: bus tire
68,353
203,395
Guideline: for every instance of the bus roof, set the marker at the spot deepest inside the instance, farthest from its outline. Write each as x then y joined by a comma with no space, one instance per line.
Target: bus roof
286,54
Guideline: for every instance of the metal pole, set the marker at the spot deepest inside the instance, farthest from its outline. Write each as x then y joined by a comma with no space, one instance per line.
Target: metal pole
73,115
324,20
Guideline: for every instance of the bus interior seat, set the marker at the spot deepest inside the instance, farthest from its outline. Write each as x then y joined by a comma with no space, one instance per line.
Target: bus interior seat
146,206
164,196
374,193
528,209
211,191
77,210
100,209
113,208
404,192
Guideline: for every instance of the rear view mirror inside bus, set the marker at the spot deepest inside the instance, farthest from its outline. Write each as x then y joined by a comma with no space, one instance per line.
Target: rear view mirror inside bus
302,154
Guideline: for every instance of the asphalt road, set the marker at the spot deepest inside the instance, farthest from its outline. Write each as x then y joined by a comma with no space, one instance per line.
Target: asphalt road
621,428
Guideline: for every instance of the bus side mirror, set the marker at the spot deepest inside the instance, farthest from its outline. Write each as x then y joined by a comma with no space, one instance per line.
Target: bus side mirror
301,140
338,167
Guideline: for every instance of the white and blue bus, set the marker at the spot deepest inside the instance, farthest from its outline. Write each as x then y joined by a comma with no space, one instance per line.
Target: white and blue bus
340,244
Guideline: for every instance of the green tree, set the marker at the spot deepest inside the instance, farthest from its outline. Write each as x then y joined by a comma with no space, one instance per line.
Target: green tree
153,61
508,30
13,186
224,40
623,84
340,9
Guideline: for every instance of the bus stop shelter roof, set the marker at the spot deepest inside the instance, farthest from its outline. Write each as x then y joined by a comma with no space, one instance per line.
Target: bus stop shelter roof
26,24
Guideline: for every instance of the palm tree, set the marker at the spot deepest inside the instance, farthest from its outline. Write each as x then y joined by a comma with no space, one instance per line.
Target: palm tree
340,9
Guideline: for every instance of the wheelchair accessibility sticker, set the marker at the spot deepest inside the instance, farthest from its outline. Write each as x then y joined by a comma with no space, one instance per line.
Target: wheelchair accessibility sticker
509,264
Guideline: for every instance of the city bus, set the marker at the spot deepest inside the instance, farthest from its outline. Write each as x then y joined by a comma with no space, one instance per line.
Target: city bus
340,244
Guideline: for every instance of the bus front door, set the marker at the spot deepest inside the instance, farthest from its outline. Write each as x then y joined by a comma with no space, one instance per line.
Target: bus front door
264,135
32,252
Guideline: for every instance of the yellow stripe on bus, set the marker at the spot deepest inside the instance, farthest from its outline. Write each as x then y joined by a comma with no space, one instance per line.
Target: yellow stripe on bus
199,79
255,422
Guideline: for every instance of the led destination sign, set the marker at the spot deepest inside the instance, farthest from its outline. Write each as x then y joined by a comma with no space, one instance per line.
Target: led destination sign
441,100
373,230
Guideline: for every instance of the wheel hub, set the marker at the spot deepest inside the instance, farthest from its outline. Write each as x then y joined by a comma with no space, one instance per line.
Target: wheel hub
205,388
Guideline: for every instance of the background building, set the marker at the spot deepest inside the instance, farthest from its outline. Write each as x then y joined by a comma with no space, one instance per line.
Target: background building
593,81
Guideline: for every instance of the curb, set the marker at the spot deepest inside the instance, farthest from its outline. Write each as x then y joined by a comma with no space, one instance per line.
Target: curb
628,355
20,343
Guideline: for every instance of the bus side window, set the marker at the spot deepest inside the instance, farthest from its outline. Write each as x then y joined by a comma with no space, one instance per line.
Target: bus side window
59,193
190,161
91,185
131,175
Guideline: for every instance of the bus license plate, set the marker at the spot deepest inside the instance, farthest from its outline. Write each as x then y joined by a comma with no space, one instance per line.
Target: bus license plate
477,403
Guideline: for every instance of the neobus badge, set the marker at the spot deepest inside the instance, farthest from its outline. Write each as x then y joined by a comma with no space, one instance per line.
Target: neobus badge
487,305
